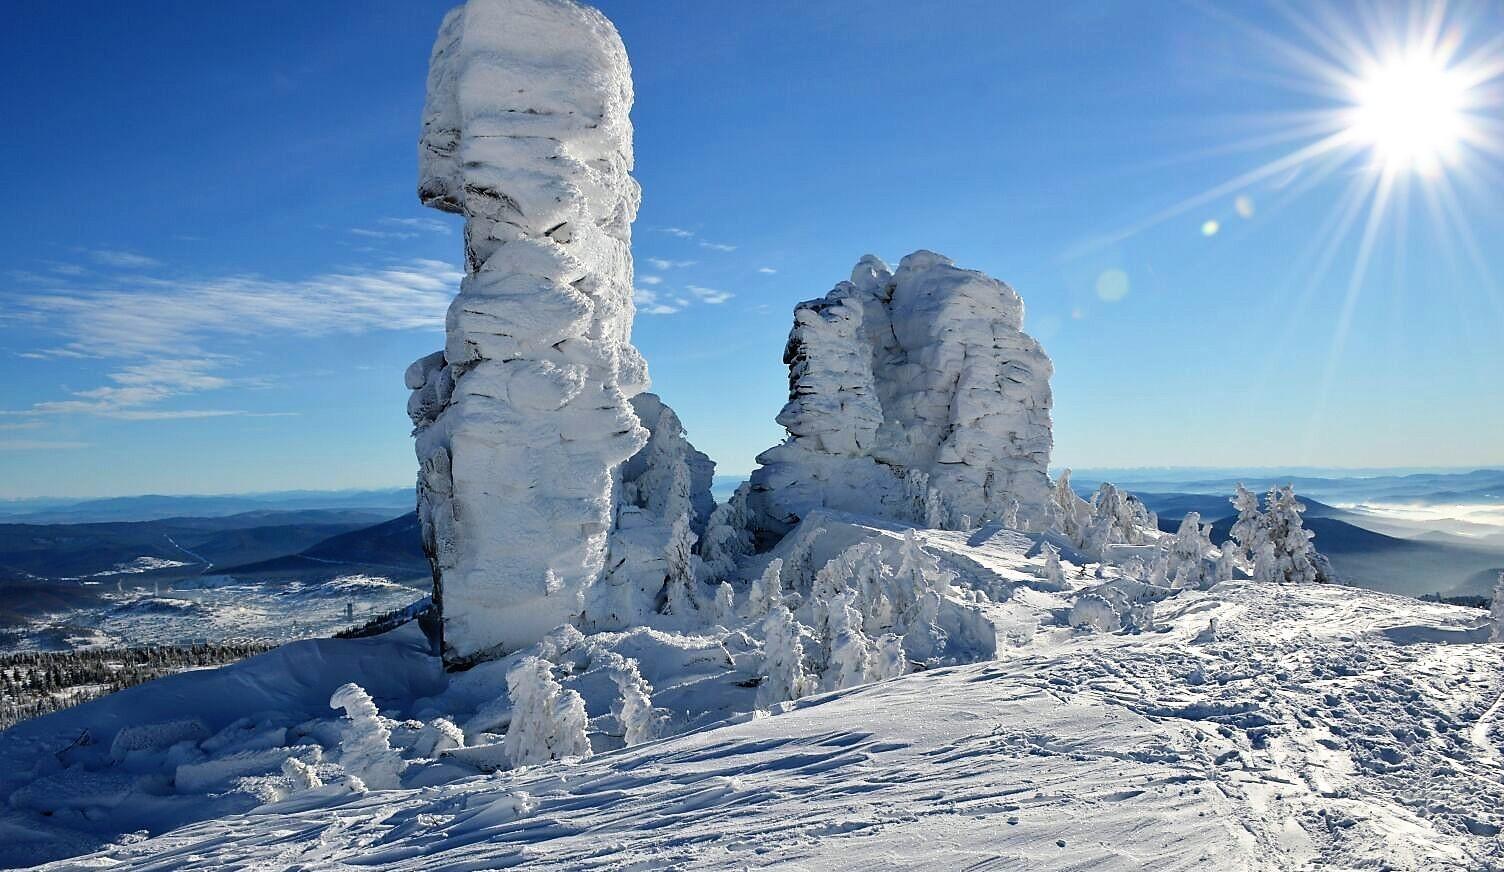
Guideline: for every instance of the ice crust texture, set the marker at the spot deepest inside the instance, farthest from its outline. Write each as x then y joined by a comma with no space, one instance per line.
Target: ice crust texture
913,395
522,420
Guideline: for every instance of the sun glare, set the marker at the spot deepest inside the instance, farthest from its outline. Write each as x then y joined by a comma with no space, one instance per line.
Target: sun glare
1410,112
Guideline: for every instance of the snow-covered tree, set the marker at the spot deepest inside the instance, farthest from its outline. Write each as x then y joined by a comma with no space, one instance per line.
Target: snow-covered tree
1496,611
1184,554
1226,562
1248,530
1072,514
848,650
679,585
728,538
924,639
889,660
548,722
767,590
1053,572
783,659
633,708
725,605
798,570
1010,513
365,747
1292,543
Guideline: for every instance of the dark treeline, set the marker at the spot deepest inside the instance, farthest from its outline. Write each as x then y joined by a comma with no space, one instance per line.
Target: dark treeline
36,683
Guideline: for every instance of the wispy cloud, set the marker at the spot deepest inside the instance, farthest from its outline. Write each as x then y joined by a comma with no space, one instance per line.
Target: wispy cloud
676,231
382,234
662,264
172,334
20,425
710,295
174,317
766,270
717,246
123,259
432,225
650,302
650,280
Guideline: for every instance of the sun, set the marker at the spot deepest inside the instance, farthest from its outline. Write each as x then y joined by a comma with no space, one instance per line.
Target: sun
1410,112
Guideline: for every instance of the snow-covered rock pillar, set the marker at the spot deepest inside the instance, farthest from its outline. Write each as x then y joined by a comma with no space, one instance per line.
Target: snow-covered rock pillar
524,417
913,395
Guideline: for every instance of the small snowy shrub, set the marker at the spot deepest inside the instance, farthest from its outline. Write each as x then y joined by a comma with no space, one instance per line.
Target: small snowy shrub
634,710
548,722
438,736
365,745
1094,611
300,775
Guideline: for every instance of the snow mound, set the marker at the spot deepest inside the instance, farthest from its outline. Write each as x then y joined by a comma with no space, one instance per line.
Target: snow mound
914,395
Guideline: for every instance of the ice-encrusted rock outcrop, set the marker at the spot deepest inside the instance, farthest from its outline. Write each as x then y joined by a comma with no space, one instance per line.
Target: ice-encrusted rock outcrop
913,395
523,419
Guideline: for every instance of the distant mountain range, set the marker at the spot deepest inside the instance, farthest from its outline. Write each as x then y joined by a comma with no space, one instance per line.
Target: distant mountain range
387,502
1473,486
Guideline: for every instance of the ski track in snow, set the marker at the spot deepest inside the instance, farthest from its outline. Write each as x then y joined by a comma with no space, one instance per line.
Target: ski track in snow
1327,727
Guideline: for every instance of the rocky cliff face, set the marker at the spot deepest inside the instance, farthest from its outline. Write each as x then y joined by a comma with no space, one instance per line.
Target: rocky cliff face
524,418
913,395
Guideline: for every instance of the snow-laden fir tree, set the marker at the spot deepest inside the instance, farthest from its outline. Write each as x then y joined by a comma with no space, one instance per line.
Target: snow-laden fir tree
848,650
783,659
1226,562
888,658
365,748
924,639
724,606
766,591
798,568
1248,532
548,722
727,538
679,586
1184,555
1289,557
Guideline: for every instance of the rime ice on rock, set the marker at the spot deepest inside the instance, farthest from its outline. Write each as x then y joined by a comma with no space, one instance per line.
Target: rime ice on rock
913,395
523,419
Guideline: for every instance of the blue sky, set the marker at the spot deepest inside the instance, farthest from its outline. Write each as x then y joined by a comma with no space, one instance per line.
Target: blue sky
213,268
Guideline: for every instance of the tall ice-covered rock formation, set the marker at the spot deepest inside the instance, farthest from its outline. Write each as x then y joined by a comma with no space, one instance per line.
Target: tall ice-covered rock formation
913,395
524,418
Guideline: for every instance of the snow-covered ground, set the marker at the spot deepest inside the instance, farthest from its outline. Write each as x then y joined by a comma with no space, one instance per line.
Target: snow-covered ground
219,609
1317,727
